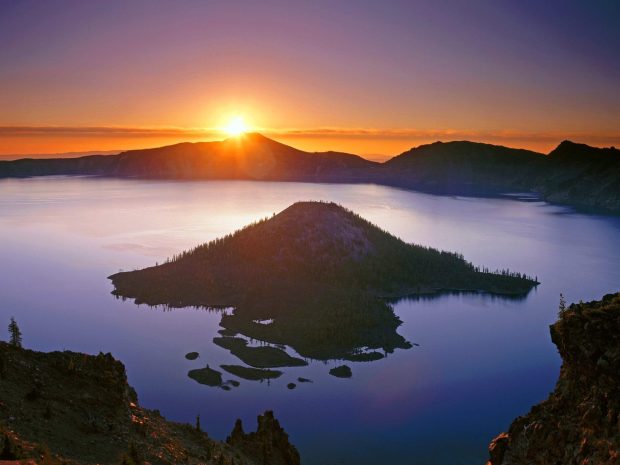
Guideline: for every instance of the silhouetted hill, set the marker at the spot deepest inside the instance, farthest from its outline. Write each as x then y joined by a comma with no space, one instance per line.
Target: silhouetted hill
463,167
569,151
319,271
585,177
249,156
579,422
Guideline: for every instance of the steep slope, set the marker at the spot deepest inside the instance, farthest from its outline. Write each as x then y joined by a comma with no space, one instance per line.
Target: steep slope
463,167
319,271
583,176
580,421
66,407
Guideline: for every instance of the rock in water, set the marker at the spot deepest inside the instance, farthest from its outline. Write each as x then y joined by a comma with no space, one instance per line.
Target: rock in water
342,371
207,376
192,355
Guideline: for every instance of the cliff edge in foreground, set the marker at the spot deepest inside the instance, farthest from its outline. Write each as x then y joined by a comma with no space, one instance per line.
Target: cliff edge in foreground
71,408
580,421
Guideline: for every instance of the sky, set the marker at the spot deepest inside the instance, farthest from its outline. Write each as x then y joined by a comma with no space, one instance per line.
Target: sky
369,77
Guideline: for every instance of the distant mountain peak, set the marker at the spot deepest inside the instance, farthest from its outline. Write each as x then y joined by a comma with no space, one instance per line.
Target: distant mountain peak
319,227
249,136
569,150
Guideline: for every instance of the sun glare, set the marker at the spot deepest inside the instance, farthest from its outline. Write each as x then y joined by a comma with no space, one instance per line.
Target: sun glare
236,126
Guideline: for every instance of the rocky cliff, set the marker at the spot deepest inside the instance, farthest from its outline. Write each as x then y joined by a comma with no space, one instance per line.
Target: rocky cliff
269,443
580,421
71,408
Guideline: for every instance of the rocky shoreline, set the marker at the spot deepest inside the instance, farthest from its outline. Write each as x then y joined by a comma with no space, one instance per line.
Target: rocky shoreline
73,408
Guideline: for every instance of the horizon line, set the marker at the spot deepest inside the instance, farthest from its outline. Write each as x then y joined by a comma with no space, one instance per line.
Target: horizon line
509,137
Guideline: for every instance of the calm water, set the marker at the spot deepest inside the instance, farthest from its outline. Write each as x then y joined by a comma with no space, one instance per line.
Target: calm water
481,360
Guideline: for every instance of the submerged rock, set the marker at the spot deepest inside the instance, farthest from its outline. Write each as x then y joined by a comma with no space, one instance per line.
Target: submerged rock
342,371
364,356
227,332
206,376
192,355
579,423
258,357
251,374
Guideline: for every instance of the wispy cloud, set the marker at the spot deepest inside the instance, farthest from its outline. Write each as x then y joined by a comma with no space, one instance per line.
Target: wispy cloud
448,134
318,133
105,131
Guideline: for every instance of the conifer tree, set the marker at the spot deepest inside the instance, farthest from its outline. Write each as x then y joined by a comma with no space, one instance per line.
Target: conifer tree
15,334
562,304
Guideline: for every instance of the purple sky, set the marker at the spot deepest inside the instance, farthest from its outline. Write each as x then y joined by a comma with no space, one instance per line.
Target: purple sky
367,76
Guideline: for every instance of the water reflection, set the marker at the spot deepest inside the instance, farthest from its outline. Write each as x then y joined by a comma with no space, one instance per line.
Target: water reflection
266,349
482,361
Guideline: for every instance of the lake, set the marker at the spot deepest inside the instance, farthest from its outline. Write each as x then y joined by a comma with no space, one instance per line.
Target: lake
481,360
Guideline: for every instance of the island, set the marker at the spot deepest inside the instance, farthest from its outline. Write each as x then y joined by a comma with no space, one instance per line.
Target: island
315,277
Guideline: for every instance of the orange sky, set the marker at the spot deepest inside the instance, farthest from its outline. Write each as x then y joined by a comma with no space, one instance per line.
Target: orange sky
358,77
370,143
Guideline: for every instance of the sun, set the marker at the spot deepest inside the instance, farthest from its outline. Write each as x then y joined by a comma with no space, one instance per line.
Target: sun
236,126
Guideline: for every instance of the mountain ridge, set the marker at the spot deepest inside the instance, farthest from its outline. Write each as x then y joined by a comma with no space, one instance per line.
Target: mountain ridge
577,175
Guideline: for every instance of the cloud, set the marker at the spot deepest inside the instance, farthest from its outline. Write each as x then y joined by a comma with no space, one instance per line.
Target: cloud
448,134
317,133
116,131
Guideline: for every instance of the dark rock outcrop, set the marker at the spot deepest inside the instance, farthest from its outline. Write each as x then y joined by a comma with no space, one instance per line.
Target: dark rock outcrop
72,408
579,424
269,444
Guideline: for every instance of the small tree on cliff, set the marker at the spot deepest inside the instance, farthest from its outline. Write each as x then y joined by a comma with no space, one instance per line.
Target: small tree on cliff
562,306
15,334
